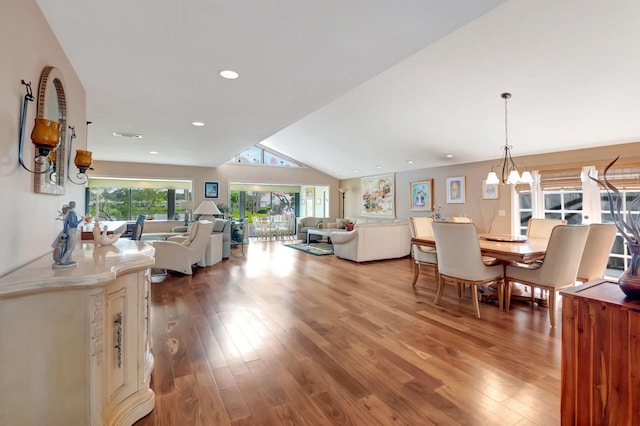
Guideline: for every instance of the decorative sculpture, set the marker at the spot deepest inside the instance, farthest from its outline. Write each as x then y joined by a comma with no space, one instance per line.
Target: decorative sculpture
65,242
102,238
629,229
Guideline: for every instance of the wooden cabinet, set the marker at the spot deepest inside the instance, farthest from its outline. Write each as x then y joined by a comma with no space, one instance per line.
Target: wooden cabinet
75,346
600,356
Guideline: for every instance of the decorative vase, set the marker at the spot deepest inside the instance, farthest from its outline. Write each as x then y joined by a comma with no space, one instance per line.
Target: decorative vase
629,281
45,135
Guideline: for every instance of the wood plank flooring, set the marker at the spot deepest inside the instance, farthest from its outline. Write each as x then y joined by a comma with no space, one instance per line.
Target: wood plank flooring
282,337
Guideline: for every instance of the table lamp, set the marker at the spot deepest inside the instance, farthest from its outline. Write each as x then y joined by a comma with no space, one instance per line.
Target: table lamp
206,210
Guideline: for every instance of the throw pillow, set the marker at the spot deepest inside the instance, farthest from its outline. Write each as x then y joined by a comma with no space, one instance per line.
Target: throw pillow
341,223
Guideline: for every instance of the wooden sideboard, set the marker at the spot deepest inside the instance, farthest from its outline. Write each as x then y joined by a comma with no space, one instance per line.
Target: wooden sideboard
600,356
75,346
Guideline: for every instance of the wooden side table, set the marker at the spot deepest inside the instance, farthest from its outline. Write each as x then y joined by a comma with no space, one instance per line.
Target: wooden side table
600,355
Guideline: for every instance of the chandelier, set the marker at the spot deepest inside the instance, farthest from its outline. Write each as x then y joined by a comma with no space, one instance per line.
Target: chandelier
507,168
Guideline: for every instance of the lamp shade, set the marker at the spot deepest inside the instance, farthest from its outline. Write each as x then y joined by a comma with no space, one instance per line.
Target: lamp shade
207,208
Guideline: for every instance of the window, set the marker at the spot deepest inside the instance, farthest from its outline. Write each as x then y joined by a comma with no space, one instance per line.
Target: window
620,255
263,156
563,205
124,199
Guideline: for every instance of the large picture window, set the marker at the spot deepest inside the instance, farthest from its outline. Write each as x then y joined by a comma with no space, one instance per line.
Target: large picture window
125,199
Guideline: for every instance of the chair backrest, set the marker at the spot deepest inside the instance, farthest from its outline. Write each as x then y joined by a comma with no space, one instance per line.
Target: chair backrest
138,227
564,251
459,250
541,228
421,226
460,219
201,238
596,251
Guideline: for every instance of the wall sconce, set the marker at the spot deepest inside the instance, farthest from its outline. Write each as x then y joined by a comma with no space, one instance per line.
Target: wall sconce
83,160
45,136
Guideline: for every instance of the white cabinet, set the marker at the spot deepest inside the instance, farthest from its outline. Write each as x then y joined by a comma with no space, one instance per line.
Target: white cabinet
75,346
213,254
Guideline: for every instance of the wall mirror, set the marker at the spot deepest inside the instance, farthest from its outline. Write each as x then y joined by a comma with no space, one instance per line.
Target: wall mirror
52,105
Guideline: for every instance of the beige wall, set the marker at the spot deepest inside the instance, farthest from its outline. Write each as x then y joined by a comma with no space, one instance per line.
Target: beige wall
28,219
484,212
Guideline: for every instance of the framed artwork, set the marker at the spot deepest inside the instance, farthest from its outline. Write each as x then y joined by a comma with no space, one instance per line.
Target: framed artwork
489,190
455,190
421,195
378,195
211,190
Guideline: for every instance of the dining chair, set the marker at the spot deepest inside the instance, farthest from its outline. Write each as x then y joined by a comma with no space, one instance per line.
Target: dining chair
596,251
460,260
138,227
558,269
541,228
421,226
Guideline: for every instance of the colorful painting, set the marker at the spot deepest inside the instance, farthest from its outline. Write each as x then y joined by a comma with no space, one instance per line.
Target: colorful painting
456,190
378,195
421,195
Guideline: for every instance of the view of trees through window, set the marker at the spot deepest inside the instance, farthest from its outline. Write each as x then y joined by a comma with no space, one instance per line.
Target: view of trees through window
127,203
258,203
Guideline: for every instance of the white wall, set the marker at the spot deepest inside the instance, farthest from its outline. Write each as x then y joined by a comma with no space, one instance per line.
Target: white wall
28,220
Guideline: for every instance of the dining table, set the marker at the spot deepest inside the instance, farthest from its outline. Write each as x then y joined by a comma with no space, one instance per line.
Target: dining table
506,249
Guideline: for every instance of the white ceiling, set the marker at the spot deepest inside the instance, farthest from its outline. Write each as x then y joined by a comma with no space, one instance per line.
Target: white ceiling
353,85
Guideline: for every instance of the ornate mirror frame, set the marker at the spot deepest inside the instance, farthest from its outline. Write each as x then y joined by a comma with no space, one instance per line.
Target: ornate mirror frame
51,83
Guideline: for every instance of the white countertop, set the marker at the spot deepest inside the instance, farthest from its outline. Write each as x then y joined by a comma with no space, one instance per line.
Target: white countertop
97,265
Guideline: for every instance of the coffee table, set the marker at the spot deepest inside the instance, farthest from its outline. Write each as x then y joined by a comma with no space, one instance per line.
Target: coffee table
320,232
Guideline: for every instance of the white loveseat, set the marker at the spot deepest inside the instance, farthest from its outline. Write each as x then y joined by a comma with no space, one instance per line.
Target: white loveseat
373,241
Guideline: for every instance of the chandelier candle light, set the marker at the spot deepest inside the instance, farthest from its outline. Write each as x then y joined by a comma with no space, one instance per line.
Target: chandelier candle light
509,171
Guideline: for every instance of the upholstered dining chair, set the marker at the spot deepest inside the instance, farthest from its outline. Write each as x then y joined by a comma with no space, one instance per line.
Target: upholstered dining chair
460,260
596,251
541,228
180,253
421,226
558,269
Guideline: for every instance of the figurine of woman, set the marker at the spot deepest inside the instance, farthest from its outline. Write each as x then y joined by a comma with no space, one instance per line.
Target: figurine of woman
65,242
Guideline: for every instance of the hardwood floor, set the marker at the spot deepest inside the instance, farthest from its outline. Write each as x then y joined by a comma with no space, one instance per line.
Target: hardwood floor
280,336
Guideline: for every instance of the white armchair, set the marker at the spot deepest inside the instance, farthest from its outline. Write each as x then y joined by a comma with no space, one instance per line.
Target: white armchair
180,253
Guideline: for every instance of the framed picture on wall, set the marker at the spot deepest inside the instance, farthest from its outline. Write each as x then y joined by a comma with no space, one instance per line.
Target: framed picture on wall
378,195
421,195
456,190
211,190
489,190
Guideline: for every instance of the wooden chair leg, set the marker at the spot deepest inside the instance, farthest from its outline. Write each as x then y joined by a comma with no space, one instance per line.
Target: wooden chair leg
476,302
416,273
507,301
552,307
500,288
440,282
459,286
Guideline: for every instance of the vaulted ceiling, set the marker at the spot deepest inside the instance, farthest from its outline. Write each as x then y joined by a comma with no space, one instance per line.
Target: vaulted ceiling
360,85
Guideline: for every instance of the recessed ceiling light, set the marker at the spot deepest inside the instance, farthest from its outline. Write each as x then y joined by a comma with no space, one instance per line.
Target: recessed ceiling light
378,167
127,135
355,170
198,123
229,74
409,161
448,156
153,152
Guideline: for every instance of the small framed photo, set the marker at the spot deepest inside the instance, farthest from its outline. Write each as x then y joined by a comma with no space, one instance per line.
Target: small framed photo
489,190
211,190
421,195
455,190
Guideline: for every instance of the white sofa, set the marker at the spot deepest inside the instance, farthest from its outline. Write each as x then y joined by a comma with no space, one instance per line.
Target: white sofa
373,241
